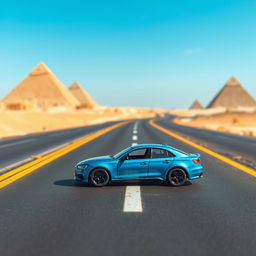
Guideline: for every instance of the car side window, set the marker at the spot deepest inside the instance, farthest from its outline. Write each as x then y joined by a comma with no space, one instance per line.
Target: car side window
141,153
160,153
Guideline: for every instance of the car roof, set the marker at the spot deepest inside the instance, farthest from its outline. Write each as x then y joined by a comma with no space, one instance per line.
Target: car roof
165,146
162,146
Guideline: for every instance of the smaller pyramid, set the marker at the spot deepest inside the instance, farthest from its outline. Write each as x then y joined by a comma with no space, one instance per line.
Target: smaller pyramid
232,95
196,105
86,101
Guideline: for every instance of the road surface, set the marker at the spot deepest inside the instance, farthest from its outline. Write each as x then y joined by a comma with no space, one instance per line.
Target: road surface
224,143
19,148
46,213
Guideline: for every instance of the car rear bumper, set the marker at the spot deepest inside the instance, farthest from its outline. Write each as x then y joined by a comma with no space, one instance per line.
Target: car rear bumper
197,177
196,173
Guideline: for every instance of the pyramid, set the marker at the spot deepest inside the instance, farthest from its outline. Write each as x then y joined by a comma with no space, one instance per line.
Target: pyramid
40,89
86,101
196,105
232,95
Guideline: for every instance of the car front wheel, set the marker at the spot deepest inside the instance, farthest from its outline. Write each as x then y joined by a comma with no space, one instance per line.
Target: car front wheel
99,177
177,177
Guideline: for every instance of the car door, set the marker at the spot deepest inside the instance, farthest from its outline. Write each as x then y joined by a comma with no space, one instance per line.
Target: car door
134,165
160,162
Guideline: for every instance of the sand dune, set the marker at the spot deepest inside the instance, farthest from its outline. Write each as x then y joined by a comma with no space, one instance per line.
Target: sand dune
241,123
14,123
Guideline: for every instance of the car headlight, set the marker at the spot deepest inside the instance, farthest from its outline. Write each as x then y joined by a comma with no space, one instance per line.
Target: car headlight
82,166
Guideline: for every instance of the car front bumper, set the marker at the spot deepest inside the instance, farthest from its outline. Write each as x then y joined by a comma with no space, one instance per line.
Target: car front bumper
81,175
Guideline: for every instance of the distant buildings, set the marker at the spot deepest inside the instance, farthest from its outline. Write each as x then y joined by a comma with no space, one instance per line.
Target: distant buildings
231,96
42,90
86,101
196,105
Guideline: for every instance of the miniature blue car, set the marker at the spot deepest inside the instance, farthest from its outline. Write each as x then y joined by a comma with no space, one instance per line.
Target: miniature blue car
144,161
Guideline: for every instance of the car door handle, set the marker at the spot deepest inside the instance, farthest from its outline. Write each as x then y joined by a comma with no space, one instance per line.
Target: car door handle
143,163
166,161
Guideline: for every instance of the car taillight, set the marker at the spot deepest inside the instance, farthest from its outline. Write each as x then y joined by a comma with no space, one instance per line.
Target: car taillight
197,161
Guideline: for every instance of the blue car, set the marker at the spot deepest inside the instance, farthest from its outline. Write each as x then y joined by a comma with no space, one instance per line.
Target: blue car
144,161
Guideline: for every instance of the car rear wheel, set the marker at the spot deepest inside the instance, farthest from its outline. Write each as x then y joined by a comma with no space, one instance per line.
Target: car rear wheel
99,177
177,177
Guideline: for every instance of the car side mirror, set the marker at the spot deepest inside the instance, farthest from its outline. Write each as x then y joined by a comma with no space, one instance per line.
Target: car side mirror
124,158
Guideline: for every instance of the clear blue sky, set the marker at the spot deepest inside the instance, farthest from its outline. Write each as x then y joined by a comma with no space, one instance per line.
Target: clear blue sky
151,53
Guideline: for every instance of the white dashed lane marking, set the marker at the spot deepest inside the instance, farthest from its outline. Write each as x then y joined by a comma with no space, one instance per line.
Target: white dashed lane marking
132,200
15,143
134,137
135,127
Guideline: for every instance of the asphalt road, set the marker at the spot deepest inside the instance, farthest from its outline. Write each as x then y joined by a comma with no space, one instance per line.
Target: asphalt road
223,143
16,149
46,213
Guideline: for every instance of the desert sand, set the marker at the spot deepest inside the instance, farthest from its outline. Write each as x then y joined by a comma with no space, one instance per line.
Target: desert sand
241,123
15,123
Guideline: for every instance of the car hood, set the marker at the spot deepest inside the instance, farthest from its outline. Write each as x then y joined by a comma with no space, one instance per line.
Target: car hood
96,159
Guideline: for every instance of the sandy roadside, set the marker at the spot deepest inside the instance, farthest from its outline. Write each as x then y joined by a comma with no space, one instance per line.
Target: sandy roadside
16,123
233,122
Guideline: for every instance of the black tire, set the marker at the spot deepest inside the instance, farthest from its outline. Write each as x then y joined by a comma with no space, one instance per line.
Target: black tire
99,177
177,177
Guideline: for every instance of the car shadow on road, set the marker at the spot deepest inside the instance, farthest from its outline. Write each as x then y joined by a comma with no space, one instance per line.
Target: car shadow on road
70,183
73,183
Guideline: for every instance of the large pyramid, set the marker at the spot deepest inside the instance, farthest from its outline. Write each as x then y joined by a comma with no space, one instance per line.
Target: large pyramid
40,89
86,101
196,105
232,95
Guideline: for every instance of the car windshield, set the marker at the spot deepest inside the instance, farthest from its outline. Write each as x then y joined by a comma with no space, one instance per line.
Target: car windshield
121,153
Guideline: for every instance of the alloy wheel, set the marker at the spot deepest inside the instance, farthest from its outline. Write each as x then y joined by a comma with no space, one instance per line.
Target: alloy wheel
177,177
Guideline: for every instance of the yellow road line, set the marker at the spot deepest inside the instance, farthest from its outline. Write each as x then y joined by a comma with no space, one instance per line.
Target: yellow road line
206,150
23,170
